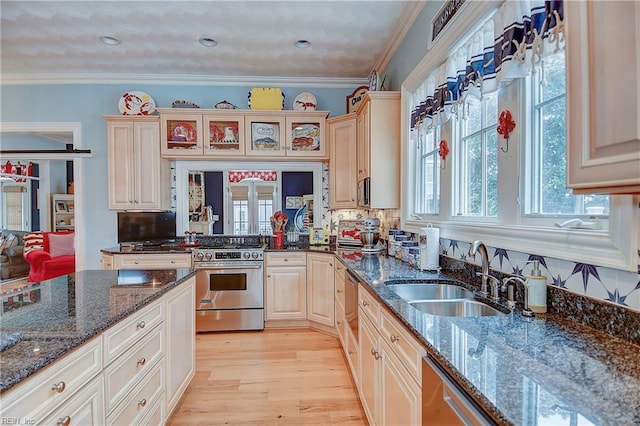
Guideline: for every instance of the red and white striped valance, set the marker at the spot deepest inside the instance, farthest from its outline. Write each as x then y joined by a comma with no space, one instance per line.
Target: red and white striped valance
265,175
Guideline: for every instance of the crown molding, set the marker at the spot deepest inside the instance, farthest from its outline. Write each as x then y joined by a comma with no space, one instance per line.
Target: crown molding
408,17
172,79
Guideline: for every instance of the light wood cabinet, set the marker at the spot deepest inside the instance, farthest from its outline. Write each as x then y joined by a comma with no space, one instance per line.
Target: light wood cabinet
286,286
390,368
603,96
320,288
146,261
196,134
343,167
180,328
63,216
378,147
86,407
138,177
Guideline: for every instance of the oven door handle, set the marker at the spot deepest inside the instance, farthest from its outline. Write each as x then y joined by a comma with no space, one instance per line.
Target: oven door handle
217,267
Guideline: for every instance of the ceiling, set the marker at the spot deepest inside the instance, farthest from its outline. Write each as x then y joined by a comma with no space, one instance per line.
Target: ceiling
60,40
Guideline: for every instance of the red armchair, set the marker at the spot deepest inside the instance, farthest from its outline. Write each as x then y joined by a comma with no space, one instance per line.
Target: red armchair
49,254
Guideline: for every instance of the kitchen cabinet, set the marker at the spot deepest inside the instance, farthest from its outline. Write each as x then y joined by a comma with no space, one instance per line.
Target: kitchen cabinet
146,260
343,169
603,96
196,134
286,286
86,407
63,216
138,178
320,288
378,147
390,368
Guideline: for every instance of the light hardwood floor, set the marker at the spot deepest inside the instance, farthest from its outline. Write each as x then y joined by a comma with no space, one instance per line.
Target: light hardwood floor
273,377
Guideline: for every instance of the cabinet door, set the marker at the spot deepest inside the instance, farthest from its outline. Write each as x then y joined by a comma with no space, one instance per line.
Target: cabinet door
306,136
286,296
343,168
320,289
180,354
369,368
265,136
121,165
147,166
181,135
400,395
603,93
86,407
224,135
363,141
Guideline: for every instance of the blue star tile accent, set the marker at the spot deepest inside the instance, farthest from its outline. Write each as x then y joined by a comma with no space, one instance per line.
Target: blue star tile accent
501,254
540,259
517,270
586,271
615,297
559,281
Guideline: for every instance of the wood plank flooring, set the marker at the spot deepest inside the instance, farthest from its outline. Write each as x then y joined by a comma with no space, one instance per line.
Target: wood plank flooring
273,377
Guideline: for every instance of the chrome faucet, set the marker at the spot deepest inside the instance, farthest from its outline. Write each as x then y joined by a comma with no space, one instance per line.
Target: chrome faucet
479,247
509,284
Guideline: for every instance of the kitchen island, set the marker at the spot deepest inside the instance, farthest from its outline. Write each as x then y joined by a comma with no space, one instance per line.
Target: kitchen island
128,331
545,370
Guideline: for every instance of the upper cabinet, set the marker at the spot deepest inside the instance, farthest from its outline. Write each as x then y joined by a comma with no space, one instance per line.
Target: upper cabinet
138,178
378,146
195,134
343,167
603,96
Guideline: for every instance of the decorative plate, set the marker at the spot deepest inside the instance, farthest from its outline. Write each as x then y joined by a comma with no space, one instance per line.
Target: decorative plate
183,132
224,105
266,98
305,101
306,137
373,81
184,104
136,103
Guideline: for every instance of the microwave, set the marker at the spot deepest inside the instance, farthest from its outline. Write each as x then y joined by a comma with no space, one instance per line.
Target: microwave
364,192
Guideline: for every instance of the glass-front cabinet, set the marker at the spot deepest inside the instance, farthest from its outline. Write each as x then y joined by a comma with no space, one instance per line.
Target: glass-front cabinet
181,135
305,136
225,135
265,136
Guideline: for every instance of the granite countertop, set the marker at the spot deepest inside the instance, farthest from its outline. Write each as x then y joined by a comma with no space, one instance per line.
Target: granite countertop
169,248
45,320
545,370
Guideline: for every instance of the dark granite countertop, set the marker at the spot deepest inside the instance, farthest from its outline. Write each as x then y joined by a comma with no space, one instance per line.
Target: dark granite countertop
48,319
546,370
170,248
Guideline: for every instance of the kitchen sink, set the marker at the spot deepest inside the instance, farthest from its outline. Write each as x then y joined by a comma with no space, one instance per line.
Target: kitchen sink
419,292
456,308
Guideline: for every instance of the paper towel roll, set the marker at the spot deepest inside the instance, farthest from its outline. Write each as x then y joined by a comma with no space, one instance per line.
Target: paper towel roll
430,256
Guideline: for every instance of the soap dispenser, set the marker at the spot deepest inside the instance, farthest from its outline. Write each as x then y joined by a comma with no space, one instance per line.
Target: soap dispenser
537,289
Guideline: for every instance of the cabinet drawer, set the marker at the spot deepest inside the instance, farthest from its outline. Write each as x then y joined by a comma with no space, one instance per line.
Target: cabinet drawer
286,259
340,323
130,368
124,334
153,261
84,408
37,395
353,356
339,280
370,306
403,344
142,401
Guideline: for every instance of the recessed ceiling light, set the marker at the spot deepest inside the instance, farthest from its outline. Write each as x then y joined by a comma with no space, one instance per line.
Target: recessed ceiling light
302,44
109,40
208,42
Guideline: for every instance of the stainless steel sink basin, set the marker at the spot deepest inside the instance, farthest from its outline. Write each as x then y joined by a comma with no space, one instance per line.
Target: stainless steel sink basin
456,308
418,292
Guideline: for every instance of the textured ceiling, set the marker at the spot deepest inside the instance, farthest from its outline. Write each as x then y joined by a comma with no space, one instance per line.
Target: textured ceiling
256,38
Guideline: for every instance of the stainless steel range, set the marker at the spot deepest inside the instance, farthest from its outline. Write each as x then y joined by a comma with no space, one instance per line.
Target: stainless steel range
229,285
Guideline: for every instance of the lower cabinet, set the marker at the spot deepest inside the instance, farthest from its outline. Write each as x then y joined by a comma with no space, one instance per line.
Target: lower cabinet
320,288
146,261
84,408
389,388
286,286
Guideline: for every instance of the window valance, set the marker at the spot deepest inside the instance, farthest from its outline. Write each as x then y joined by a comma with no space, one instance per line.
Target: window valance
509,45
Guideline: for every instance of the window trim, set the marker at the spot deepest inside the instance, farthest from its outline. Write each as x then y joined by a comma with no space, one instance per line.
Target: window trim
616,247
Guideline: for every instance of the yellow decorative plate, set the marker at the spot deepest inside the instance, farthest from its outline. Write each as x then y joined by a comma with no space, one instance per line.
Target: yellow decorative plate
266,98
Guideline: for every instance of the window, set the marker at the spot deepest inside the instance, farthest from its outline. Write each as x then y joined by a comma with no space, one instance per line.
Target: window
476,158
252,204
545,162
427,187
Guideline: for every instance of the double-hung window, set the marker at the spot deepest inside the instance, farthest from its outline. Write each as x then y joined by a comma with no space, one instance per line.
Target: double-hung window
475,172
427,170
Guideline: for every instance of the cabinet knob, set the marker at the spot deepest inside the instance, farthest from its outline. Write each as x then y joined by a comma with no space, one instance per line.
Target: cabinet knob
268,275
142,361
365,303
173,261
393,338
64,421
141,324
59,387
142,402
331,264
136,262
339,322
375,353
350,352
286,260
338,291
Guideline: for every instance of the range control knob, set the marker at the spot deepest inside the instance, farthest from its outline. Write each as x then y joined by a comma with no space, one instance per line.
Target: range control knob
200,256
208,256
246,255
254,255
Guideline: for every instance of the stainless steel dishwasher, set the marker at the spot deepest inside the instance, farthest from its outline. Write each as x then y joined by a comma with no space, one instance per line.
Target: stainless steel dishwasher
444,402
